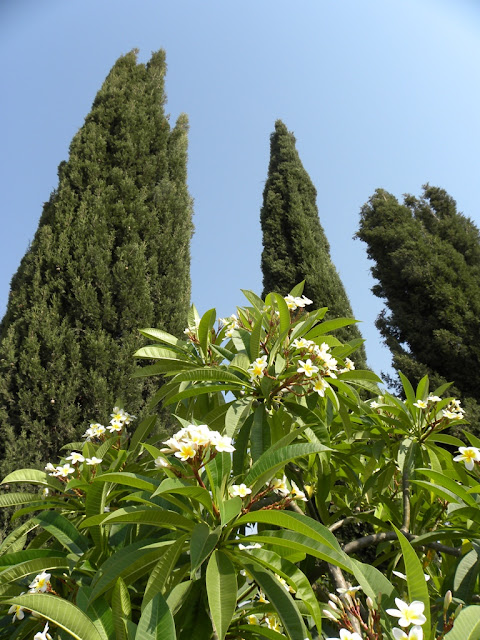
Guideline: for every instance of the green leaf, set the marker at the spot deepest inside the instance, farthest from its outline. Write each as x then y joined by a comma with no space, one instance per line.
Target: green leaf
466,575
288,570
14,499
150,516
129,479
283,311
163,336
373,583
295,522
255,338
64,531
176,486
33,476
466,626
260,433
201,388
99,612
204,330
280,598
298,542
129,563
236,415
409,392
270,462
229,509
417,586
61,612
156,621
221,581
254,300
163,569
208,373
443,480
121,609
203,542
329,325
142,432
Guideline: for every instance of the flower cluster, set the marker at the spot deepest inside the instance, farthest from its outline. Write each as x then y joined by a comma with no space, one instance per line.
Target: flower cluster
192,442
119,419
230,325
319,365
280,486
454,411
293,303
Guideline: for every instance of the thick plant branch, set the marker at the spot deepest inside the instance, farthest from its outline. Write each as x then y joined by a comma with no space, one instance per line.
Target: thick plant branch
367,541
405,528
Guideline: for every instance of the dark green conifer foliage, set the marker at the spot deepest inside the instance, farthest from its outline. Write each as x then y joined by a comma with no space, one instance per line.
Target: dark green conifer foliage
295,247
111,255
427,263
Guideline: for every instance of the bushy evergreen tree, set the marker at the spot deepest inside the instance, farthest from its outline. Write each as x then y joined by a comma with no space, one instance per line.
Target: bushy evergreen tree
111,254
427,263
295,247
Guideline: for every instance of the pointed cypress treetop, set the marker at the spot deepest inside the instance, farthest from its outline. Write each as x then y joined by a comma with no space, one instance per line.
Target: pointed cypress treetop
110,255
295,247
427,266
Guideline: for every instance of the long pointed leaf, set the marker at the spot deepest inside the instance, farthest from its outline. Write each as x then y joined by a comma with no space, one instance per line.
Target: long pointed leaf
221,581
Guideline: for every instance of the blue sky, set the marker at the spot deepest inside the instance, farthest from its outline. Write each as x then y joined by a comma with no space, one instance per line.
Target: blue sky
379,93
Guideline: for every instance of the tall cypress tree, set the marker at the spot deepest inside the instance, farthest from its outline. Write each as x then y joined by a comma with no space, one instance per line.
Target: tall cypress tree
427,263
295,247
111,254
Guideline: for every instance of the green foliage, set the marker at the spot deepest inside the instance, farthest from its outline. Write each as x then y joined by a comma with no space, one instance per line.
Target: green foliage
427,266
231,528
111,252
295,247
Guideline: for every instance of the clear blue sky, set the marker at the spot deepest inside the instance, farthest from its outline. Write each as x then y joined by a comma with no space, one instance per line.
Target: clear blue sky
379,93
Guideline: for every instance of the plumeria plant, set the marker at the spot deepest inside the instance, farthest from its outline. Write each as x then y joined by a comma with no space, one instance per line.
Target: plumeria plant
239,523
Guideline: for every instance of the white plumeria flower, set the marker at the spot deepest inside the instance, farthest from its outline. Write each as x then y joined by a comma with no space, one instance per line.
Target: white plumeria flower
273,623
434,399
199,434
17,611
252,619
349,365
450,415
187,450
374,405
404,577
303,301
307,367
301,343
415,633
161,462
50,467
319,386
43,635
222,443
280,486
92,461
291,302
239,490
345,634
349,591
40,583
408,613
115,426
296,493
468,455
75,457
420,404
118,414
257,368
63,470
